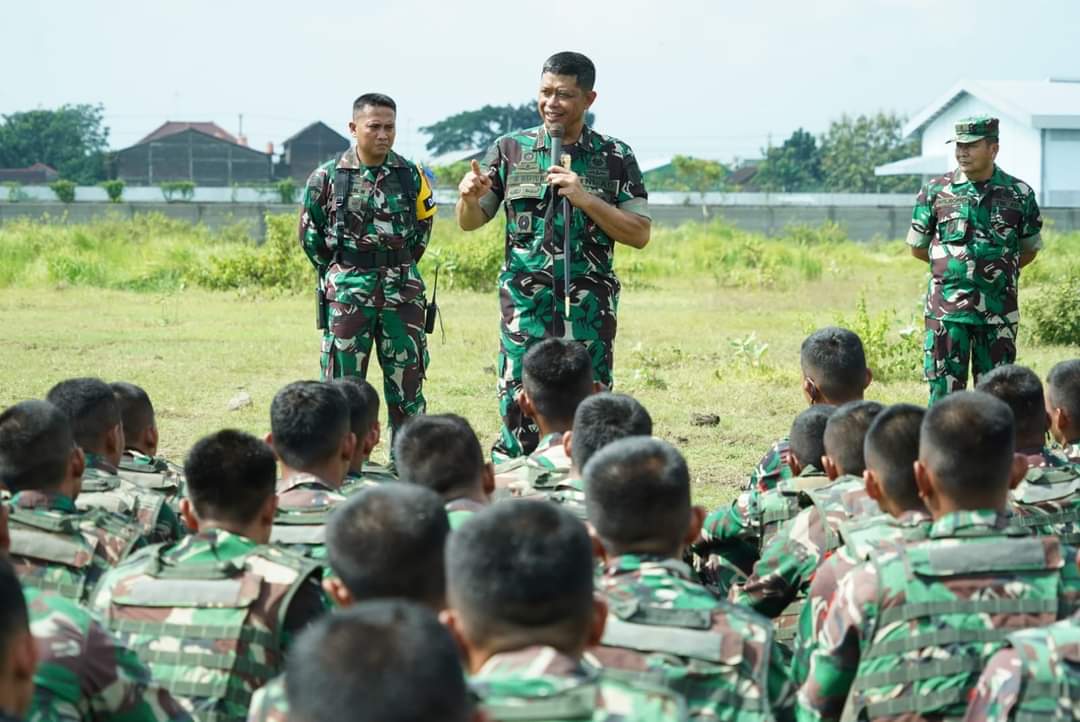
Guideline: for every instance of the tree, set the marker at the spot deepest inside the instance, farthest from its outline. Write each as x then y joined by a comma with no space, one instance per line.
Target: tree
852,147
794,167
471,129
72,139
699,175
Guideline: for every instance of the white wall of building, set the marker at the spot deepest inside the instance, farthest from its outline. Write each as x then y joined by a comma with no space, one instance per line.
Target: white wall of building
1062,167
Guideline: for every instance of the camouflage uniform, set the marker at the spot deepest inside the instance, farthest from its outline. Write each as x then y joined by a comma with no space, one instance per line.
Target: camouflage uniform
531,279
975,233
459,511
211,615
372,285
104,488
774,467
1048,499
371,475
1072,452
304,503
85,674
542,684
1037,677
543,474
155,474
721,657
909,631
269,703
57,548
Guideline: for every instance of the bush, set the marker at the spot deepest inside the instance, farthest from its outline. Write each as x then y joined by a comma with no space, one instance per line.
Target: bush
277,264
286,189
15,193
64,190
177,190
1051,314
892,354
114,189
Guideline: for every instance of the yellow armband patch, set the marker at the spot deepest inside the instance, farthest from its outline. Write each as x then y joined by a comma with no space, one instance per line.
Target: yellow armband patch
425,199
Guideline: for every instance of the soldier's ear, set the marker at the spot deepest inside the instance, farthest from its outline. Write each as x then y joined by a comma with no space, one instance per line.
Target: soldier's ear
795,464
269,439
337,591
76,464
526,404
5,535
924,484
697,521
348,447
114,440
599,621
869,378
187,514
1018,470
450,619
488,478
568,444
830,468
873,486
152,438
810,390
598,549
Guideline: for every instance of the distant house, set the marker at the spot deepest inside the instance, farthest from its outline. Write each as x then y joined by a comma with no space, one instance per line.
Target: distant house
1040,133
36,174
307,149
199,152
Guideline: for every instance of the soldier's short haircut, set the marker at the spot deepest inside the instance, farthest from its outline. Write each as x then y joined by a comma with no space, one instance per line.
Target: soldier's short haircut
35,446
571,63
377,661
518,567
376,100
14,617
136,410
1021,389
967,442
891,448
557,375
91,407
230,475
807,436
363,402
388,541
440,452
637,490
1063,387
603,418
845,434
834,358
308,420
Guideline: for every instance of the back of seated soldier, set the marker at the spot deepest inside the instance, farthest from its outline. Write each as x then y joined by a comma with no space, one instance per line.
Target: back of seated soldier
94,413
363,402
140,463
441,452
556,377
213,614
379,661
17,648
55,546
722,658
1063,405
520,594
311,434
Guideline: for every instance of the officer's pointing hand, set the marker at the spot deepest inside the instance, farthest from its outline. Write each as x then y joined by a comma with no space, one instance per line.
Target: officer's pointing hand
568,182
475,183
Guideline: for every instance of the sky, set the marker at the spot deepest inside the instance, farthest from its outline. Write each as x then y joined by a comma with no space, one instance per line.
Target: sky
709,78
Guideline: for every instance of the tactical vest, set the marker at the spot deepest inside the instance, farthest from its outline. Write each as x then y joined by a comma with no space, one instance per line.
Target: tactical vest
787,500
302,530
1048,502
1050,670
682,645
203,628
354,209
952,638
158,478
862,537
113,494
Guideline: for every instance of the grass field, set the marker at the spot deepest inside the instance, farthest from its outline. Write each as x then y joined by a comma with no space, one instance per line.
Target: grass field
684,346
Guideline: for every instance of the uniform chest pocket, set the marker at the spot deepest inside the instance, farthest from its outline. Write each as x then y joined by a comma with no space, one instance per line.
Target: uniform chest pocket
953,225
1005,220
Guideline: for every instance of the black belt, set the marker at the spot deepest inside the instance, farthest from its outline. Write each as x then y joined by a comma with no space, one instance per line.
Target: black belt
375,259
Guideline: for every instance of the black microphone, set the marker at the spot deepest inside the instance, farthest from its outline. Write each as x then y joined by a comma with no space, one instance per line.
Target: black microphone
556,132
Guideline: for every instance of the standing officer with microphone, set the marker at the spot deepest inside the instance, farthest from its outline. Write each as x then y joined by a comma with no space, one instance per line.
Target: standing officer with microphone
530,172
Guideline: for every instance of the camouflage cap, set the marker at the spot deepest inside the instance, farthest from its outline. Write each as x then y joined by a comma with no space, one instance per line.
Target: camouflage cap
969,130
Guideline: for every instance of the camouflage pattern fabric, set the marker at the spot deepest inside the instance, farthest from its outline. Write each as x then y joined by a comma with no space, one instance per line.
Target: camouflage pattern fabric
269,703
459,511
211,616
85,674
908,632
720,657
774,467
950,346
1072,452
543,474
975,234
104,488
1037,677
304,504
154,474
370,475
378,306
530,283
1048,499
542,684
59,549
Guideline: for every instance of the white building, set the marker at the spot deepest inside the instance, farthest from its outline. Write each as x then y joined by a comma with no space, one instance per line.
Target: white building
1040,133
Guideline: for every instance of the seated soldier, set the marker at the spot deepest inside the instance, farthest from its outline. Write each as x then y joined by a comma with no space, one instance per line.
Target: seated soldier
94,414
1063,405
384,542
1035,677
18,656
1048,499
908,631
213,614
733,536
891,449
441,452
55,546
520,591
721,657
834,372
311,435
363,402
556,377
140,463
379,661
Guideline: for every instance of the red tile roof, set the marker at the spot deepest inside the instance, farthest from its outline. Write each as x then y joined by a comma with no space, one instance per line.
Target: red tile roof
172,127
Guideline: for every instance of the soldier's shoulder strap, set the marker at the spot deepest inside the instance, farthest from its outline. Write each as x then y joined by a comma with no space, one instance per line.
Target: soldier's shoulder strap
342,186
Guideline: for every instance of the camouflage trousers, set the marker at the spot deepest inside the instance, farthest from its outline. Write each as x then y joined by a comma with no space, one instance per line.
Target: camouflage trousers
520,434
950,347
397,333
